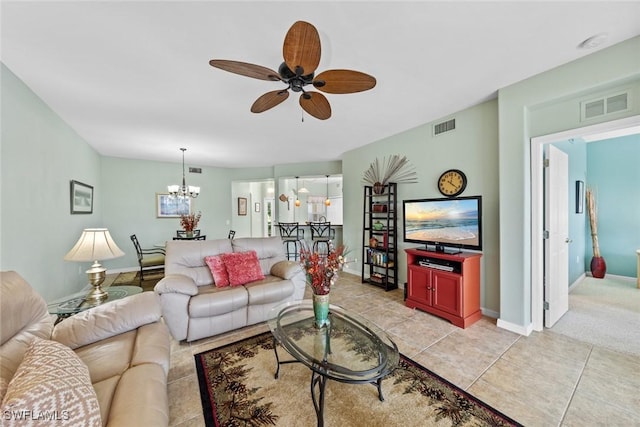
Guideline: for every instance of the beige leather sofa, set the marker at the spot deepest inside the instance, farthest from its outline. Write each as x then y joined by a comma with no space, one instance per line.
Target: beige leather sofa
193,307
121,347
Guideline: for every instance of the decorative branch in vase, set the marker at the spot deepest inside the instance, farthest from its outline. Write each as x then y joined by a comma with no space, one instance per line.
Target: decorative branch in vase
190,222
598,265
393,169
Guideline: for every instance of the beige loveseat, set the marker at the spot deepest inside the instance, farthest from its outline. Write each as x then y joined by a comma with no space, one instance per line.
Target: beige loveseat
105,366
194,307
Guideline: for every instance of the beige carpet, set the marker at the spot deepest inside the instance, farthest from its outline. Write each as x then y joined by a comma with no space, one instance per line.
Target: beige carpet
132,278
604,312
238,388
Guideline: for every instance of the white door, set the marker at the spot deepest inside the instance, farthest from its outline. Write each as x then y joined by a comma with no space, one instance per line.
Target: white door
556,248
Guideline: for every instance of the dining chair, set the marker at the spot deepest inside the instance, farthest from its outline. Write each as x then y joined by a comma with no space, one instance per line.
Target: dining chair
292,236
232,234
148,259
321,235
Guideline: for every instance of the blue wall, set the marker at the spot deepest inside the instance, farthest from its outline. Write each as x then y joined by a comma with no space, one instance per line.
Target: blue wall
613,172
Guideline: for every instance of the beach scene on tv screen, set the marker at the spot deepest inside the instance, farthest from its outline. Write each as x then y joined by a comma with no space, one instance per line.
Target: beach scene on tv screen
447,221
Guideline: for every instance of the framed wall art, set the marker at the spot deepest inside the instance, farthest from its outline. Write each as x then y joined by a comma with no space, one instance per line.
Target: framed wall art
579,197
242,206
81,198
168,206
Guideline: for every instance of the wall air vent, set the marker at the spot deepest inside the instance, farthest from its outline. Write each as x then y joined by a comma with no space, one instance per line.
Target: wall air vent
195,170
606,105
443,127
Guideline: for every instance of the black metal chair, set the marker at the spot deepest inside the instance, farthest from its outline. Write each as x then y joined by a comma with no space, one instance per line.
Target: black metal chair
292,236
148,259
321,235
182,233
232,234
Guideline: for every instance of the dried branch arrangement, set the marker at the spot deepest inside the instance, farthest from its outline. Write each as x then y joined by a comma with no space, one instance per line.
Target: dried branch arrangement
393,169
593,221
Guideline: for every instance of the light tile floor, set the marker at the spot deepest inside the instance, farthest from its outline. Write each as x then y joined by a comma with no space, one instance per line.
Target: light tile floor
545,379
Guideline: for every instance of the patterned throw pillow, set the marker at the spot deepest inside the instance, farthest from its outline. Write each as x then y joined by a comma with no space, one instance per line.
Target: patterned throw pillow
218,270
51,386
242,267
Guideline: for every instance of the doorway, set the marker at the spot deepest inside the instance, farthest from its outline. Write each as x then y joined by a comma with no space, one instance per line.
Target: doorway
537,204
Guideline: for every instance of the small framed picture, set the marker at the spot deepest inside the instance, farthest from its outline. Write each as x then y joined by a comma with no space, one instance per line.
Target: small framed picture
256,207
168,206
81,198
242,206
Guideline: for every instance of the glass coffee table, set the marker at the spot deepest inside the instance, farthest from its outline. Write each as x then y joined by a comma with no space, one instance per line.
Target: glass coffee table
75,303
350,349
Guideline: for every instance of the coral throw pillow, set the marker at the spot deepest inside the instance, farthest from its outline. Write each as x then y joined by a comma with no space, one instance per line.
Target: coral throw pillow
242,267
218,270
51,381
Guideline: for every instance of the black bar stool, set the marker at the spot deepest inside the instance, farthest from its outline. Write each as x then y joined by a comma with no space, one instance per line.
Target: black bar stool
292,236
321,235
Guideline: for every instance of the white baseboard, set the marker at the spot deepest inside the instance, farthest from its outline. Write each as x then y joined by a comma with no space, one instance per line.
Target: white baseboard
518,329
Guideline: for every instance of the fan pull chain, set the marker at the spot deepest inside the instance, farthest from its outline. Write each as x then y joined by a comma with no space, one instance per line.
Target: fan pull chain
302,116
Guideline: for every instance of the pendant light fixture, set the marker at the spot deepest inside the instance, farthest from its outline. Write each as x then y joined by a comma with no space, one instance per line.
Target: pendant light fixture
327,202
183,190
297,200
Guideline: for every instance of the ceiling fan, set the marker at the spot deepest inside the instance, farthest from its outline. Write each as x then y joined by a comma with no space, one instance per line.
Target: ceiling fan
301,51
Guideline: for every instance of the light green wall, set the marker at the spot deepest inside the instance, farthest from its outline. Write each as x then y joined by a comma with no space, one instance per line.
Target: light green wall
471,147
544,104
40,155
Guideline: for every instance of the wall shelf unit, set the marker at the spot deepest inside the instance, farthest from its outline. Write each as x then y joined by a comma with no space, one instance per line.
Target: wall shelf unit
380,239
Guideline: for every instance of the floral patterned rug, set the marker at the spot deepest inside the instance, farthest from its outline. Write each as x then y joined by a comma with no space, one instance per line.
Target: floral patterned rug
238,388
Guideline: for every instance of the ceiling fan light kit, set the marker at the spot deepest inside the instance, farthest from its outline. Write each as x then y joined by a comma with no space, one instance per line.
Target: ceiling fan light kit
301,51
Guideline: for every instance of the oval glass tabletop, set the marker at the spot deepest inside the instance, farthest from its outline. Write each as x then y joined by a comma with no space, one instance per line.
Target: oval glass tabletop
351,349
77,302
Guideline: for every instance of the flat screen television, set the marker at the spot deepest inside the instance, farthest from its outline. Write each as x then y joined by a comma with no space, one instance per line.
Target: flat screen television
444,225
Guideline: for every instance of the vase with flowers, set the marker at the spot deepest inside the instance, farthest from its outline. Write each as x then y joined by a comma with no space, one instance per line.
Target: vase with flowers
322,273
190,222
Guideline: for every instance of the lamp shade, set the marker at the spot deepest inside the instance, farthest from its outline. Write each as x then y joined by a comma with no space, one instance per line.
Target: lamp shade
94,244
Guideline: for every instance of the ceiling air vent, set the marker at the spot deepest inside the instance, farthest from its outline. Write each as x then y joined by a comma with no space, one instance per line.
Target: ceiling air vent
195,170
443,127
605,105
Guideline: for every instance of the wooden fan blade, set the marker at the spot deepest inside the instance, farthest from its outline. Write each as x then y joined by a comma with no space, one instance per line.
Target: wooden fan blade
245,69
316,105
302,48
269,100
343,81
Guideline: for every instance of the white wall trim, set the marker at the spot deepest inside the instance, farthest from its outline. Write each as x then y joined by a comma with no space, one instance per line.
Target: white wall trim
518,329
537,204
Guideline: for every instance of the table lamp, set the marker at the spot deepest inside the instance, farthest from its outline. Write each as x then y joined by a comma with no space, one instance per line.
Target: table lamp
94,244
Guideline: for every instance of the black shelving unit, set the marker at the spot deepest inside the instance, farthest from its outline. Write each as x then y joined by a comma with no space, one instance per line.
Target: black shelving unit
380,222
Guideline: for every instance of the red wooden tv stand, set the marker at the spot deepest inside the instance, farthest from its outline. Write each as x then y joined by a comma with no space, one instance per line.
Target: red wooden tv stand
446,285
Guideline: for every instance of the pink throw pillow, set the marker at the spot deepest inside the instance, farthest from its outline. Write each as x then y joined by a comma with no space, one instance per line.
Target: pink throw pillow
242,267
218,270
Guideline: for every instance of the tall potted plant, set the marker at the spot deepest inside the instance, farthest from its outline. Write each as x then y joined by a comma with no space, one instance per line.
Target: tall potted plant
598,266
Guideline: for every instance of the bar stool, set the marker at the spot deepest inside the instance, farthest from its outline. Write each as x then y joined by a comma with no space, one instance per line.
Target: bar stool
321,235
292,236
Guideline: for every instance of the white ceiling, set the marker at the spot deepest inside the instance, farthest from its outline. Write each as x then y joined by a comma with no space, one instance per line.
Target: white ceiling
133,79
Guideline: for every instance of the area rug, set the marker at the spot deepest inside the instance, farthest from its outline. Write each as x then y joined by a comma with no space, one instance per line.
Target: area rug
132,278
237,388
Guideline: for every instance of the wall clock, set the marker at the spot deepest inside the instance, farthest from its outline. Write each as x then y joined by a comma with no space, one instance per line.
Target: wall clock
452,182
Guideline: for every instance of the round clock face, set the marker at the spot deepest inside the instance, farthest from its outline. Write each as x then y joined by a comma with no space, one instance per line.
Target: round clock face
452,182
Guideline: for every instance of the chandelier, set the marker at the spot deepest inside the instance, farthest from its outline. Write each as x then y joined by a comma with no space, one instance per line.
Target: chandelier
183,190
